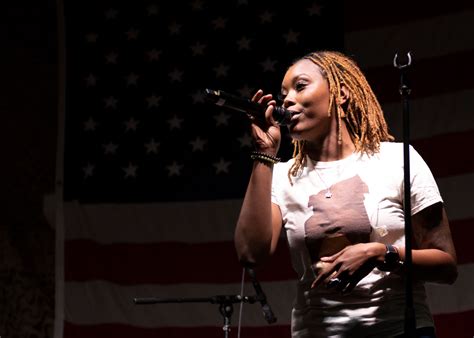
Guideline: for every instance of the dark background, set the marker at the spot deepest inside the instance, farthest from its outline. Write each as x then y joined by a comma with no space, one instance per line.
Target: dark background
28,107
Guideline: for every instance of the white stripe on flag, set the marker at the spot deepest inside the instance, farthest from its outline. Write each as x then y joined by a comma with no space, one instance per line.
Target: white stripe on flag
145,225
453,298
457,195
98,302
427,38
433,116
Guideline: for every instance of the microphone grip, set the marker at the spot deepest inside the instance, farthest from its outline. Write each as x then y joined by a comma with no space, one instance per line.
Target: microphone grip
268,314
266,309
280,114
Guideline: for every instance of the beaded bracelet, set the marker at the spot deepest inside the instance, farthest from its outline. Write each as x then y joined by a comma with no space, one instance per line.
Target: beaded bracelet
264,158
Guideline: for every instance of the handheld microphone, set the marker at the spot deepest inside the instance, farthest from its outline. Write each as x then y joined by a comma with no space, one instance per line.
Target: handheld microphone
281,115
267,311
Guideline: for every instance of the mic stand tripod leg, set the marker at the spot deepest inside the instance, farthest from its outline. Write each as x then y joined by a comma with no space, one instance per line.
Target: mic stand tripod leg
226,309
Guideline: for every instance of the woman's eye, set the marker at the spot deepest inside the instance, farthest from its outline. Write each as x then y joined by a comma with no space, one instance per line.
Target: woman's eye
300,86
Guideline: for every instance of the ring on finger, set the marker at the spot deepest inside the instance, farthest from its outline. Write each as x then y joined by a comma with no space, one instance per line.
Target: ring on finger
333,282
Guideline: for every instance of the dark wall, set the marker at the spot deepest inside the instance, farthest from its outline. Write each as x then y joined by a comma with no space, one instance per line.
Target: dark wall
28,110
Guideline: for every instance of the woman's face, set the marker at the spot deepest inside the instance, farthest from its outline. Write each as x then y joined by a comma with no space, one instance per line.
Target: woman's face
306,95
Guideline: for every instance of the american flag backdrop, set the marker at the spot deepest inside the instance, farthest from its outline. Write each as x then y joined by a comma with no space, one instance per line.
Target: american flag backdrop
154,176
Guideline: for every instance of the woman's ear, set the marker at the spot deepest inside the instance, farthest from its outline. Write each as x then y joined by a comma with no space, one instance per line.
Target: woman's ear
343,95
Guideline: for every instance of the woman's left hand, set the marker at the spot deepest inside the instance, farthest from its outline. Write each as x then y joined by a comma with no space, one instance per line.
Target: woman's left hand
343,270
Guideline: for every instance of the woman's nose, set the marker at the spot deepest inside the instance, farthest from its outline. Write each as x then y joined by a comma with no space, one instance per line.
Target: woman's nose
288,101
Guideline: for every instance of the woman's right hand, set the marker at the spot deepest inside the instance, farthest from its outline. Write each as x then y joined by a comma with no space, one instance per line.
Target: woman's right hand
265,131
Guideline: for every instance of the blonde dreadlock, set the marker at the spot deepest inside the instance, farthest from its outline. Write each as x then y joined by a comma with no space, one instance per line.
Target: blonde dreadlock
363,116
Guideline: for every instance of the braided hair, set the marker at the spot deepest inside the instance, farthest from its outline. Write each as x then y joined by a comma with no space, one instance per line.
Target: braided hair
363,115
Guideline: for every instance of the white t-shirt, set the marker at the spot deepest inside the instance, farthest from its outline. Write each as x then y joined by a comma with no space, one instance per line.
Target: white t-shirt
366,204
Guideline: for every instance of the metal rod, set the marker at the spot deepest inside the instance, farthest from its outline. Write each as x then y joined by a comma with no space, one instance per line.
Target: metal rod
410,318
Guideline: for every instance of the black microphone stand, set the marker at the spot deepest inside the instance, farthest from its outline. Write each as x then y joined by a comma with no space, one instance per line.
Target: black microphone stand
410,319
225,304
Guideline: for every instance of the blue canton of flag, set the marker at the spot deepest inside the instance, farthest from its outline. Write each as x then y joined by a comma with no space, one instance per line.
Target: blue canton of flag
137,124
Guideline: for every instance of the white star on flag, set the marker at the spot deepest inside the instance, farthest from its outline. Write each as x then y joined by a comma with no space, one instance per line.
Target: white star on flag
130,171
152,146
222,119
110,148
174,169
222,166
88,170
175,122
198,144
90,124
131,124
153,101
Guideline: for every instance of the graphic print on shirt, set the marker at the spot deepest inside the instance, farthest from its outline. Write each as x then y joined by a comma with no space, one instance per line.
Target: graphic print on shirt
338,221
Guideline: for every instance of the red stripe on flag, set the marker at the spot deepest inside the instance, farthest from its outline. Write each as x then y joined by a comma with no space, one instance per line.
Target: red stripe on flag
459,324
460,232
169,263
442,153
166,263
127,331
427,77
447,325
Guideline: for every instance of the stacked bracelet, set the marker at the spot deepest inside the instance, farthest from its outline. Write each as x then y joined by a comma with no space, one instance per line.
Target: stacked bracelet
264,158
